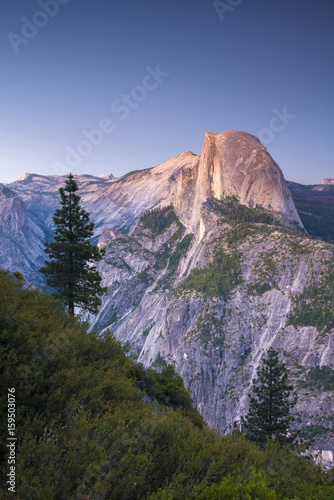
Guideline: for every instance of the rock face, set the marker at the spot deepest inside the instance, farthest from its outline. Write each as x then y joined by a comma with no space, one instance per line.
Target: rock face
327,182
210,281
214,339
114,203
232,164
21,237
235,164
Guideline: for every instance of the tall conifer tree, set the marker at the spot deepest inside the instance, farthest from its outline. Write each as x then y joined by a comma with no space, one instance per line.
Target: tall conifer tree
269,409
70,271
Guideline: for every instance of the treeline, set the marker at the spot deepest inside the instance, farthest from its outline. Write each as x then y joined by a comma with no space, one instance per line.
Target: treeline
91,423
233,211
159,219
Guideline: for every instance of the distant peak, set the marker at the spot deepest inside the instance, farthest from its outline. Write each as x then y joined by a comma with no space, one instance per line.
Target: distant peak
327,181
25,176
107,177
186,153
235,163
237,137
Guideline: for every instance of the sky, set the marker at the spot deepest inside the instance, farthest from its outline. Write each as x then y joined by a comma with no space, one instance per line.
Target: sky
100,87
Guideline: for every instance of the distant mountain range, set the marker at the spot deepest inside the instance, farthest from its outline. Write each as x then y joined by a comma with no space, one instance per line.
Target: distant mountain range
207,265
315,206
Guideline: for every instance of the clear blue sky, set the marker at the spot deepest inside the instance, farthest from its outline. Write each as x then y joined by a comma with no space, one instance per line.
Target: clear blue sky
240,69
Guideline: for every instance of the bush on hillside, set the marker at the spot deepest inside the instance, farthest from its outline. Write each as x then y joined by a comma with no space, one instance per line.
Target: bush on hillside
84,431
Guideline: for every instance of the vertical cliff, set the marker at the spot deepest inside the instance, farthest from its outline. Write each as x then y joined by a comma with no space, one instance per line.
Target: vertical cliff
21,237
234,164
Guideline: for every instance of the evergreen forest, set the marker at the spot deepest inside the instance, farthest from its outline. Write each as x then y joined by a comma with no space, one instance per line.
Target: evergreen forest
93,424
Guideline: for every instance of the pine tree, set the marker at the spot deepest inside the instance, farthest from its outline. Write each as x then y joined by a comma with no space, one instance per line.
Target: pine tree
269,409
70,271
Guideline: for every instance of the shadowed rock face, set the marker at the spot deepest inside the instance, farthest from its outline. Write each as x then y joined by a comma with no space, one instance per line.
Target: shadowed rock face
21,238
235,164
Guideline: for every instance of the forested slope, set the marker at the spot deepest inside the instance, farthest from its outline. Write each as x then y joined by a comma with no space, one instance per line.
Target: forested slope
91,423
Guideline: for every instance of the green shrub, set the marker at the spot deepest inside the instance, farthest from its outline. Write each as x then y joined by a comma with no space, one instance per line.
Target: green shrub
231,489
319,379
144,277
315,305
159,219
258,288
217,278
181,249
233,211
86,430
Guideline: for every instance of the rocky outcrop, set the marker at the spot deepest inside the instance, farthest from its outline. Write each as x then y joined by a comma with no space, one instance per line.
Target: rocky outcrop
234,164
329,182
21,237
112,203
116,203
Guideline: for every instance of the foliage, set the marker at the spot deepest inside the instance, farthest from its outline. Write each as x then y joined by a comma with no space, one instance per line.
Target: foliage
180,249
259,288
167,254
240,233
315,305
312,431
230,489
144,277
178,233
70,271
319,379
159,219
269,411
162,256
169,390
218,277
233,211
245,221
84,431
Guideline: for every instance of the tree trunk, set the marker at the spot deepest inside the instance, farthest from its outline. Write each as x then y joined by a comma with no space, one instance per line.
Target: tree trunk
71,308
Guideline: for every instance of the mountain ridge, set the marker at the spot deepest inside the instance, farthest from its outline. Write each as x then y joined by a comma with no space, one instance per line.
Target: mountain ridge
220,279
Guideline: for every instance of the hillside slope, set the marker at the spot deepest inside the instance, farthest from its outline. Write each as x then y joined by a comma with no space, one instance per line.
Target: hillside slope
91,423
